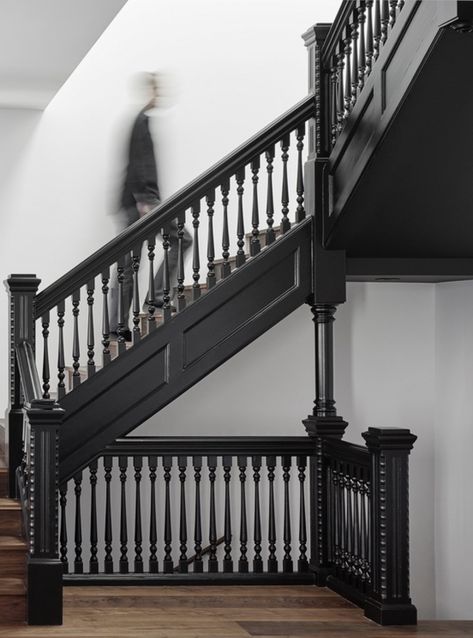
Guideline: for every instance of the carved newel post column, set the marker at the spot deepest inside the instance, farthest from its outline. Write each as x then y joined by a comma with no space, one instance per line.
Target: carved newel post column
21,290
388,602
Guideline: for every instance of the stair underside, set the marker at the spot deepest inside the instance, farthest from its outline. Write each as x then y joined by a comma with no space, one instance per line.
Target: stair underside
179,353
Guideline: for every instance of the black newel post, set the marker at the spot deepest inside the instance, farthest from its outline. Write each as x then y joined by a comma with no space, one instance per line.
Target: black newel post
328,291
388,602
21,290
44,567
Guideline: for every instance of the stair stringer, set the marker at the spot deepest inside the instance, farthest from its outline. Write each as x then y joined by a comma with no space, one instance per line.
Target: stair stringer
142,381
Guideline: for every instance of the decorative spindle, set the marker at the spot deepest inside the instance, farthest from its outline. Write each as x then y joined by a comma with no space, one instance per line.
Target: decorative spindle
349,529
270,234
123,563
211,279
46,372
384,20
227,559
300,212
182,462
362,45
340,86
121,329
392,13
181,298
225,188
168,566
151,297
153,531
166,275
63,530
255,244
354,32
257,536
75,340
198,564
78,564
61,388
272,560
333,100
369,36
377,28
105,318
356,539
347,52
213,563
401,4
195,209
287,560
302,565
240,256
285,223
93,561
108,560
243,561
138,466
90,328
136,306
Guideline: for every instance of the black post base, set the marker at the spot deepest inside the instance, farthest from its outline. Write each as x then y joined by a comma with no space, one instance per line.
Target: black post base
44,591
390,614
320,574
333,426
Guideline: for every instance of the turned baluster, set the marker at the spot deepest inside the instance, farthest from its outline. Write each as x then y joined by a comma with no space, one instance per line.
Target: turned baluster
362,44
75,340
137,466
302,565
392,13
195,209
166,274
225,189
285,223
255,244
61,388
93,561
153,529
270,234
78,564
287,560
168,566
63,529
377,28
183,568
46,372
136,306
384,20
341,87
347,53
213,563
105,318
355,77
240,256
90,328
181,298
257,535
211,279
151,297
300,212
108,560
243,561
369,36
334,99
123,562
121,328
272,560
198,563
227,559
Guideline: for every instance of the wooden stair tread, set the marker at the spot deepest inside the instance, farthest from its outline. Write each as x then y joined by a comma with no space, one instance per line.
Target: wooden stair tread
9,504
12,543
12,587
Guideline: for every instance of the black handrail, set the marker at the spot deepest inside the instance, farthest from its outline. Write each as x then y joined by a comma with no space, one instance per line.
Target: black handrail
177,203
205,445
347,452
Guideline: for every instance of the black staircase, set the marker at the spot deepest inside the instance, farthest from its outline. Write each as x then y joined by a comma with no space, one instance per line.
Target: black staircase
328,192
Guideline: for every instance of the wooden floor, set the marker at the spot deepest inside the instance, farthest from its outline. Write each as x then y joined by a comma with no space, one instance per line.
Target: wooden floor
219,612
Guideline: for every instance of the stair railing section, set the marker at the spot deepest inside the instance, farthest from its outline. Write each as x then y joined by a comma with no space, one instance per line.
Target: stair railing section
365,507
238,207
37,478
360,30
194,509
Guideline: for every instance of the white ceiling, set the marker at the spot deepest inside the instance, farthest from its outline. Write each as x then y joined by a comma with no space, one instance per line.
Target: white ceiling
42,42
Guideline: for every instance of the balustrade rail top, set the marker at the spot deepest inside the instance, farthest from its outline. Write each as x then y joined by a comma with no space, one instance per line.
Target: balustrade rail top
176,204
345,451
335,34
215,445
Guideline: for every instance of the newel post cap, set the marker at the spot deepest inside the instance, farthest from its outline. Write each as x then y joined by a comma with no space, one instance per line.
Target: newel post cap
316,33
389,439
22,283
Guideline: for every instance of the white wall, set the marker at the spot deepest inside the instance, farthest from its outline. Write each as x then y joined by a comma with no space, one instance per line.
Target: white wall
453,446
